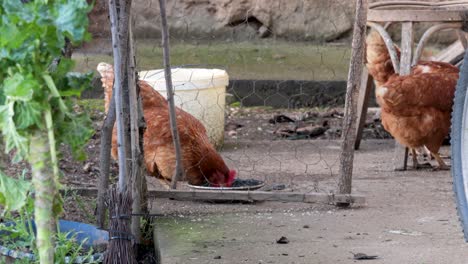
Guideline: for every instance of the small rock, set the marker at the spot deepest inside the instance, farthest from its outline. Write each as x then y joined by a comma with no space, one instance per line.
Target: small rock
376,116
217,257
232,126
306,226
282,240
362,256
278,56
87,167
232,133
230,98
281,119
264,31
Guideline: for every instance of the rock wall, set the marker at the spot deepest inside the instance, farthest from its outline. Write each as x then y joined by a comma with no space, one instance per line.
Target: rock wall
316,20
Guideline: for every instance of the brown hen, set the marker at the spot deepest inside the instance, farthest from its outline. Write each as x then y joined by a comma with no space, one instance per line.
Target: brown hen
415,108
202,164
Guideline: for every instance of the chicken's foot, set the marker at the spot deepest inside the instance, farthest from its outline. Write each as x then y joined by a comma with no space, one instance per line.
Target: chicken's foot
416,164
442,165
165,183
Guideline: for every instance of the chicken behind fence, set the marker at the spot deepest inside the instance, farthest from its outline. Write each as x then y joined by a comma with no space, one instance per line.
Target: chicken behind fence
416,108
201,162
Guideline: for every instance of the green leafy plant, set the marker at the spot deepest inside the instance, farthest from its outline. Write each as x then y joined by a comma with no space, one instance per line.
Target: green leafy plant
21,238
37,95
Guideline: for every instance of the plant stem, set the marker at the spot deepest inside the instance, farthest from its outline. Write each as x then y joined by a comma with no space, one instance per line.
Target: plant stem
53,151
45,193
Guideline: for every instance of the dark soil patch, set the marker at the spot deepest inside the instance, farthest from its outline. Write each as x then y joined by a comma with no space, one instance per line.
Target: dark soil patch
262,123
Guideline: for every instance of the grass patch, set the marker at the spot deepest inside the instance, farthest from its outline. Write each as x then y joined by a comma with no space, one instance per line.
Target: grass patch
91,105
182,235
267,60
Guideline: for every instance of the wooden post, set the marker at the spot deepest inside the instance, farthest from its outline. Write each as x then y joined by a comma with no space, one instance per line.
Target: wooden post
352,92
400,157
363,103
137,168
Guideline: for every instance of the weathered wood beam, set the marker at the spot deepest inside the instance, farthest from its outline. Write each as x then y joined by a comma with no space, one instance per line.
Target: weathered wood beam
414,15
348,135
367,83
252,196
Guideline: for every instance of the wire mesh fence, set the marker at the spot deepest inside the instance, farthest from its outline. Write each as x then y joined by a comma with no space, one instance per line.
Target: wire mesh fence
271,102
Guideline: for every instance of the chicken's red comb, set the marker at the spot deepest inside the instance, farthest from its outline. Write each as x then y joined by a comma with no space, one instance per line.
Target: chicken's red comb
231,178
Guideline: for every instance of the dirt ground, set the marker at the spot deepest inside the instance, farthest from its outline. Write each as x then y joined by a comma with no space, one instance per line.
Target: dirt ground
409,217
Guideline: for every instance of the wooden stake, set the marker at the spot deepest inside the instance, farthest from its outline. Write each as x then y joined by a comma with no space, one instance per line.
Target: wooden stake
352,92
104,163
179,170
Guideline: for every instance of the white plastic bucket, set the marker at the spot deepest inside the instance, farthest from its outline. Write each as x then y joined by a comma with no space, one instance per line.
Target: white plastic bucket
200,92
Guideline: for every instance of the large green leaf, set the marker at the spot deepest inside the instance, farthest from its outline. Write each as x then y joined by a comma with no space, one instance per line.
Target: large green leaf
20,11
11,36
20,87
13,138
13,192
75,132
77,83
72,19
28,114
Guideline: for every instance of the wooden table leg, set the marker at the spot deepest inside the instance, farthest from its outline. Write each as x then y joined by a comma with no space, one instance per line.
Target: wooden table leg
363,103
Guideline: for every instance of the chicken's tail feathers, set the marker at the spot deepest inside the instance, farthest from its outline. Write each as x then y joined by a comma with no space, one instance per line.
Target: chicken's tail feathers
378,58
106,71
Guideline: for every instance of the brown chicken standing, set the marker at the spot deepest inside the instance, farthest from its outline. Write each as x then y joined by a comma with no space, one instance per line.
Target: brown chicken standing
202,164
415,109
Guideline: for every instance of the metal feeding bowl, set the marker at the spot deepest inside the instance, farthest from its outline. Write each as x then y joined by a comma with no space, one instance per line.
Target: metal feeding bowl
237,185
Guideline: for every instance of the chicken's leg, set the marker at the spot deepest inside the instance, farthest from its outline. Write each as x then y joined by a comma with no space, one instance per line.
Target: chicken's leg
416,164
415,158
428,153
165,183
442,165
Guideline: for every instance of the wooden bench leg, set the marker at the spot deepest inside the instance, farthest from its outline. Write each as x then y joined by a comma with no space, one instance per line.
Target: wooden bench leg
363,103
